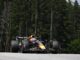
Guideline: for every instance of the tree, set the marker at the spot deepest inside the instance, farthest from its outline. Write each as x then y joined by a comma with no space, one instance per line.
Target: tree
44,17
76,19
1,25
69,22
59,18
21,16
74,46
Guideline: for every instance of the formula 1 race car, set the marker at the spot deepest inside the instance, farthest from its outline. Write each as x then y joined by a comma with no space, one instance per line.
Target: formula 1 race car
22,44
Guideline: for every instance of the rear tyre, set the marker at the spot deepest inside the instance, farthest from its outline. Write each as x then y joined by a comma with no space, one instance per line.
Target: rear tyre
14,46
15,49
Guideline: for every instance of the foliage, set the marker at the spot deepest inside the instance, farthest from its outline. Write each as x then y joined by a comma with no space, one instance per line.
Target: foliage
25,17
74,46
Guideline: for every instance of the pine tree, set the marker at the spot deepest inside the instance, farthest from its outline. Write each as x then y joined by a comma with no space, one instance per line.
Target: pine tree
76,12
59,21
44,17
21,16
1,25
69,22
59,18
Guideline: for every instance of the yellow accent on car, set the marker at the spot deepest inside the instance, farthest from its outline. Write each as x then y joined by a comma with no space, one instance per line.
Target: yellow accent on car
42,46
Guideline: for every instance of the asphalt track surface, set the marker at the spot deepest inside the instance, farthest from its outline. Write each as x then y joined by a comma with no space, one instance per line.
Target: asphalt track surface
26,56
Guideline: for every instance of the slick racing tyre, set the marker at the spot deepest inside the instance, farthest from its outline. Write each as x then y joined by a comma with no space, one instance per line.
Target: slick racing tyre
14,46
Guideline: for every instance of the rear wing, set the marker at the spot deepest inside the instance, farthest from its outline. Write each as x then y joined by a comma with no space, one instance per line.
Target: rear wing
19,37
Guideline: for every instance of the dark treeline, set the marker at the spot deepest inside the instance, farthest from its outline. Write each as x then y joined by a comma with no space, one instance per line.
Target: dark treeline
52,19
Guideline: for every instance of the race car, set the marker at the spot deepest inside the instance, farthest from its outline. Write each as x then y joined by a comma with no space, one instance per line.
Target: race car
22,44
